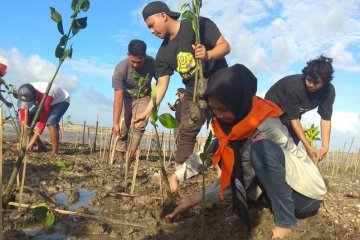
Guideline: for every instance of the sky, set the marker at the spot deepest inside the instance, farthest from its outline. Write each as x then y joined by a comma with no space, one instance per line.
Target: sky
273,38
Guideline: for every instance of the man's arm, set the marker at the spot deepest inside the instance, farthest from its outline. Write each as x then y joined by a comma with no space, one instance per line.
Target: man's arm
117,109
325,126
220,50
296,125
161,87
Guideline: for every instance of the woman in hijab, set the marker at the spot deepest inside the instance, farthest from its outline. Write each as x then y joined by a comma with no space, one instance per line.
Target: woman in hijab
253,148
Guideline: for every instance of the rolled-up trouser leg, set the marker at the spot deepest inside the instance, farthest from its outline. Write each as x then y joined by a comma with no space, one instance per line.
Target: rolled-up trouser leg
187,136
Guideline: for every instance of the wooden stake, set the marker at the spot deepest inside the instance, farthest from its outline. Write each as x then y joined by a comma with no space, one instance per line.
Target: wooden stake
113,150
83,140
135,172
115,221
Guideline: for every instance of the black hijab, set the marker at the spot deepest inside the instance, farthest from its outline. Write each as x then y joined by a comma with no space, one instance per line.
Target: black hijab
234,87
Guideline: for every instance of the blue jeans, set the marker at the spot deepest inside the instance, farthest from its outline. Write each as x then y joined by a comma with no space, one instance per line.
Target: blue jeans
57,111
268,161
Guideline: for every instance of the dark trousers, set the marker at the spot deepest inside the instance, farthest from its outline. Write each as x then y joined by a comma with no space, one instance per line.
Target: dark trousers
186,138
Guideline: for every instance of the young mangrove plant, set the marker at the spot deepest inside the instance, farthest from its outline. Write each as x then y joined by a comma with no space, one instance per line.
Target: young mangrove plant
45,214
142,91
62,52
311,135
192,12
168,121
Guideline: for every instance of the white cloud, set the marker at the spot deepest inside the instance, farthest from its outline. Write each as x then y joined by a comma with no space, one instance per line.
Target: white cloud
271,35
23,69
92,67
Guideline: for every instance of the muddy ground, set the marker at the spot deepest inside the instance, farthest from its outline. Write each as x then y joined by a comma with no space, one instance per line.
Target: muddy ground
92,186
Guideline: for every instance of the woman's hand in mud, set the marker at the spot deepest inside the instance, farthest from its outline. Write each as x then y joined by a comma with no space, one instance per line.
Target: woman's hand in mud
182,206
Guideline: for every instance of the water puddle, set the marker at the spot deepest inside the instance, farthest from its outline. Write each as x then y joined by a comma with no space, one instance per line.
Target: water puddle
35,230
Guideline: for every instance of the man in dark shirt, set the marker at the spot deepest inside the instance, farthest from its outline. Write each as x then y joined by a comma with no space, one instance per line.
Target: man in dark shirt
178,106
178,53
297,94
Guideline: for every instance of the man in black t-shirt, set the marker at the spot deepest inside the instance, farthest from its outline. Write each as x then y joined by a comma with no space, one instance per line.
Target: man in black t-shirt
178,53
297,94
177,107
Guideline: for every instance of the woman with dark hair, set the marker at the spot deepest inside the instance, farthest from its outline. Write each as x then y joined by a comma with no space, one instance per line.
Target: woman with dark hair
258,159
300,93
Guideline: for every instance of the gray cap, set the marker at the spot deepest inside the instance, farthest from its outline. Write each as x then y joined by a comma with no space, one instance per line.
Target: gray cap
26,96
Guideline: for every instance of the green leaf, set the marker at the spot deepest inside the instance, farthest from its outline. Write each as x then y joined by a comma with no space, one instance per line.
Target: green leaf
59,52
55,15
60,27
135,74
62,165
85,5
78,24
74,4
63,40
187,15
205,153
49,220
131,92
40,212
154,112
184,7
168,121
68,53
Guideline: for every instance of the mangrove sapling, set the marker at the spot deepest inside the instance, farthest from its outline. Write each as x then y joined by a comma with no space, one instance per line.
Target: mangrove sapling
203,156
140,80
61,52
168,121
45,214
311,135
13,113
192,12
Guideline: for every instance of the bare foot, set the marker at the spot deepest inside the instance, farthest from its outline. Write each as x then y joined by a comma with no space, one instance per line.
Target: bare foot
280,232
177,166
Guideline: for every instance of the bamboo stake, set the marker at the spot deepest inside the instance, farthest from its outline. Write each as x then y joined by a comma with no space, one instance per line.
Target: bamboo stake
107,219
101,142
113,149
149,146
96,130
161,188
135,172
83,140
23,142
1,170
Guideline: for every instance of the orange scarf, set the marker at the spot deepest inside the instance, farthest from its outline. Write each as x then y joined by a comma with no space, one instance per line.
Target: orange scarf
260,110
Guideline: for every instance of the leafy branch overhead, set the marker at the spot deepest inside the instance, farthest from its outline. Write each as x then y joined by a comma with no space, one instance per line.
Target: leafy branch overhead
61,51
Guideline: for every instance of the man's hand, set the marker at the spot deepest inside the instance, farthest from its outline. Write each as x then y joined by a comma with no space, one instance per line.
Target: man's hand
200,52
171,107
311,151
140,117
321,153
116,130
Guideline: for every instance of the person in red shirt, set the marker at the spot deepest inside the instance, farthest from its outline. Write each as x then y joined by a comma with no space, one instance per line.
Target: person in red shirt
55,106
3,69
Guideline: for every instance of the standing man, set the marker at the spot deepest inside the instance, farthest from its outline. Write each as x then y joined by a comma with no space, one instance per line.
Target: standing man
297,94
126,88
55,106
178,53
177,107
3,68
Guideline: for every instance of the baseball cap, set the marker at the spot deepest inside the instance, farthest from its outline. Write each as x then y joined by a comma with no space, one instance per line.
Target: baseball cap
180,90
158,7
26,96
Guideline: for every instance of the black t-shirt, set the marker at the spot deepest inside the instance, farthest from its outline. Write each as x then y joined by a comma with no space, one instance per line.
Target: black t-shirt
178,106
178,55
291,95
